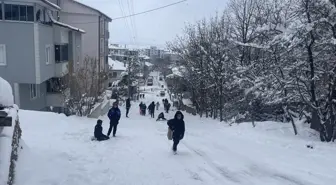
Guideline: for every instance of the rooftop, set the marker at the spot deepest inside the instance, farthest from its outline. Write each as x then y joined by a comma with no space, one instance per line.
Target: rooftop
116,65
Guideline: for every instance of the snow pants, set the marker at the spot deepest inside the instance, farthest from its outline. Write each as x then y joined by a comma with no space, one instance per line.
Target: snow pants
103,138
113,125
127,111
176,142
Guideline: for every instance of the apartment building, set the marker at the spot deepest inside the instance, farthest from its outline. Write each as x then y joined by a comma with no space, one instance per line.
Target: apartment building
94,22
35,52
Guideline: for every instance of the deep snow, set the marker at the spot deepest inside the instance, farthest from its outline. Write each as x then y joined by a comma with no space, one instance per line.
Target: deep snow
6,133
58,150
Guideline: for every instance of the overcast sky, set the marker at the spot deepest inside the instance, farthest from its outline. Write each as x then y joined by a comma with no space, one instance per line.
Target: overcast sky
154,28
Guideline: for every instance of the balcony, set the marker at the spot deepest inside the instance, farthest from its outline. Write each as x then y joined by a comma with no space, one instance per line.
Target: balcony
61,69
57,90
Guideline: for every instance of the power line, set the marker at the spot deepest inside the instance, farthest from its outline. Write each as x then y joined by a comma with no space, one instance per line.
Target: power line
135,14
151,10
126,22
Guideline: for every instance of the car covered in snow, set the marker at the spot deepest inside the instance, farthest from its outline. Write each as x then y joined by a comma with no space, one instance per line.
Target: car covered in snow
150,81
162,93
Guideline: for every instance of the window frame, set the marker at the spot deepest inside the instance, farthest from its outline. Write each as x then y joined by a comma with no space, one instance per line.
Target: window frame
3,55
48,54
33,88
28,18
102,47
1,10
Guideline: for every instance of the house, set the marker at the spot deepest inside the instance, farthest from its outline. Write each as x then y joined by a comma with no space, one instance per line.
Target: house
118,53
117,69
95,23
36,52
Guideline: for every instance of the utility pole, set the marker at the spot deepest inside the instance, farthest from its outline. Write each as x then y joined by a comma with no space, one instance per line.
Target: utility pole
129,78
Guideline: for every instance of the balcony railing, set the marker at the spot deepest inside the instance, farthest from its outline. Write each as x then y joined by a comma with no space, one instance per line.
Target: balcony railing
61,69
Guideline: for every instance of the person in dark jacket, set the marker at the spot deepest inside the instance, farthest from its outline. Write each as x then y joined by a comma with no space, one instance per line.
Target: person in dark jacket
114,116
140,108
161,116
98,131
157,105
167,107
177,126
128,106
151,109
143,108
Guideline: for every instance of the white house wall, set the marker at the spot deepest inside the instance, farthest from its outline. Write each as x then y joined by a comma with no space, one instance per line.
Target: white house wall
71,7
90,45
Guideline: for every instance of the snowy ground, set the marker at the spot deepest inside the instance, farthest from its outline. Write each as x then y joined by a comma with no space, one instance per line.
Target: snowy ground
58,150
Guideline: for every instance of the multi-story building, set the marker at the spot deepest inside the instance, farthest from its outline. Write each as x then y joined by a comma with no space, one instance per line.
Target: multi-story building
36,51
118,53
95,23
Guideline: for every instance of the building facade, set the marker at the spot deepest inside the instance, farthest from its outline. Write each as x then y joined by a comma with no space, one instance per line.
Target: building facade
35,52
95,23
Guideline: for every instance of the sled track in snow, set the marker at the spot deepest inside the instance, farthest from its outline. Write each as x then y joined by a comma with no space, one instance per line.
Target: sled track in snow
224,172
253,171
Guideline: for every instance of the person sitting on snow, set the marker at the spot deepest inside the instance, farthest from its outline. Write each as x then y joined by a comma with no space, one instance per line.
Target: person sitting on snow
98,131
161,116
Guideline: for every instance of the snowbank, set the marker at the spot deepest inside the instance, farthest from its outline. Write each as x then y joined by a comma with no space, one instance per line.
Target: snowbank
148,64
7,136
6,94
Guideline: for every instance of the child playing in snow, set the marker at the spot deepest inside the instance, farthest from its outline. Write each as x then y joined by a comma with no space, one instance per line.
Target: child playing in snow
98,132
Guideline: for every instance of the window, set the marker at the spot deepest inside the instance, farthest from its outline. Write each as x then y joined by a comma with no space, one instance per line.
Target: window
61,53
114,74
23,13
47,50
30,13
2,55
56,85
19,12
64,53
33,91
102,30
101,45
15,12
0,11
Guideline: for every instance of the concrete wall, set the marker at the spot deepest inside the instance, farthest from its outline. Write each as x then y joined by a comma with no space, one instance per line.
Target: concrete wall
37,103
19,40
46,38
75,46
90,39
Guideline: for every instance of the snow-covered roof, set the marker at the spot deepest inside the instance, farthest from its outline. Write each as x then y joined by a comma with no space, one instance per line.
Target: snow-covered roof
112,46
144,57
148,64
6,94
54,21
116,65
51,4
178,71
140,75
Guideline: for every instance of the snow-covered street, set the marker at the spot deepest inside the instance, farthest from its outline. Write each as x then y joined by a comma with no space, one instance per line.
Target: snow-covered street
58,150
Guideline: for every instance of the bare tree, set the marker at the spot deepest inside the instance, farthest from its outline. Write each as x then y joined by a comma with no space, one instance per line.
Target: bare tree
83,88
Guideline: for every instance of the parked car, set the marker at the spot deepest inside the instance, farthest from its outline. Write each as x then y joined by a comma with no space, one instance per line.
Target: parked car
149,81
162,93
